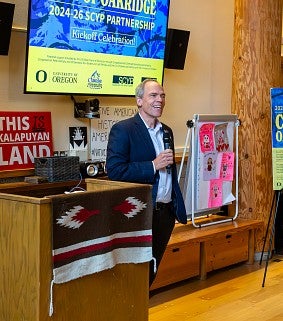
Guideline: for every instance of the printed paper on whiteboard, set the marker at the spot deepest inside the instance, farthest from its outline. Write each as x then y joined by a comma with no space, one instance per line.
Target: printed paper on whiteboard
210,182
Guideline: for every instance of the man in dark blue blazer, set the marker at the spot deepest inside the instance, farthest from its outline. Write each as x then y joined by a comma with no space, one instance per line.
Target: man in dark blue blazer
136,153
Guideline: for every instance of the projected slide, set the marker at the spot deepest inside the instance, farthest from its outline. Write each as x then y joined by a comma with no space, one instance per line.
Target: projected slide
94,46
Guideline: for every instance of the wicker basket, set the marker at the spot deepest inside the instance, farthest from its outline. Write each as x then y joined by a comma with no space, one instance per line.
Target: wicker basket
58,168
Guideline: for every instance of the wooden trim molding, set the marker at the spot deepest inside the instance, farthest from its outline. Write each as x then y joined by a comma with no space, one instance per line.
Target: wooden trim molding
17,173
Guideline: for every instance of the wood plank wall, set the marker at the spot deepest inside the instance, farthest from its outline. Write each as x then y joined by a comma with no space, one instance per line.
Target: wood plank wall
256,68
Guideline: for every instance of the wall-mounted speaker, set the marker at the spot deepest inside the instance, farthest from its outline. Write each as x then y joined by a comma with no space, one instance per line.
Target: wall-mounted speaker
176,48
6,22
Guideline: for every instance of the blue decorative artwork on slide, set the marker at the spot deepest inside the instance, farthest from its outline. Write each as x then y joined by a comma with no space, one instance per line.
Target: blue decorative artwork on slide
134,28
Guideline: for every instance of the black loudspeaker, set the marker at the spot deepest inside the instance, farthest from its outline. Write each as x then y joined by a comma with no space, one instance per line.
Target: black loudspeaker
6,21
176,48
92,169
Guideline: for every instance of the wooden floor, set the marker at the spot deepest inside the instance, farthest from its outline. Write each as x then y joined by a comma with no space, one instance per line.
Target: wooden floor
231,294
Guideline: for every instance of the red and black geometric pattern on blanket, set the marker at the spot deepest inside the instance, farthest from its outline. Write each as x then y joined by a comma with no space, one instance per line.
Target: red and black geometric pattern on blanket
94,231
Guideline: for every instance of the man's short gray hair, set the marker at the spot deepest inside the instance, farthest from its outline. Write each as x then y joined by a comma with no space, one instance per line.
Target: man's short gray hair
140,88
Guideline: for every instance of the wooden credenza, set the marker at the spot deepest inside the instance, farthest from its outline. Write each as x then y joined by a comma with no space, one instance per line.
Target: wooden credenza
119,294
196,251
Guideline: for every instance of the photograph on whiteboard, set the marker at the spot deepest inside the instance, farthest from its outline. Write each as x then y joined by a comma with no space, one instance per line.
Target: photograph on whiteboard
206,137
227,166
211,168
221,137
215,193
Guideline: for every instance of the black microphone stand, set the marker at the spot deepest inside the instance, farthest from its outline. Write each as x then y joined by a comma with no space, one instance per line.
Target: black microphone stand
276,198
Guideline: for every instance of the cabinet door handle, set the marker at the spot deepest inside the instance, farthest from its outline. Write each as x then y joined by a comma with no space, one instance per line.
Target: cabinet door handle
176,249
228,236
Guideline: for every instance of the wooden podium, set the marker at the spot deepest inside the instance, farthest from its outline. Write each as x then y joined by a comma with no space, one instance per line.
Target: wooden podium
117,294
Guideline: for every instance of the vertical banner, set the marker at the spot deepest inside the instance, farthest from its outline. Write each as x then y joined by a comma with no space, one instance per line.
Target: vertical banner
23,136
276,96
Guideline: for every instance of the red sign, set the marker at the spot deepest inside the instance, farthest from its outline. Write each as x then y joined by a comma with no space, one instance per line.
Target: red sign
23,136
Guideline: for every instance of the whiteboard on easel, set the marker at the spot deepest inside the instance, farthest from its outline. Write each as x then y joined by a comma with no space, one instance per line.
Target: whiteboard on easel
211,165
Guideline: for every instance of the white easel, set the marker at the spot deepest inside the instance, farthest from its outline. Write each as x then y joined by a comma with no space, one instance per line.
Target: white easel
191,141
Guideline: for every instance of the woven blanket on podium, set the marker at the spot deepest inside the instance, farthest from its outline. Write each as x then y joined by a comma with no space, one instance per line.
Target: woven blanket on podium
94,231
